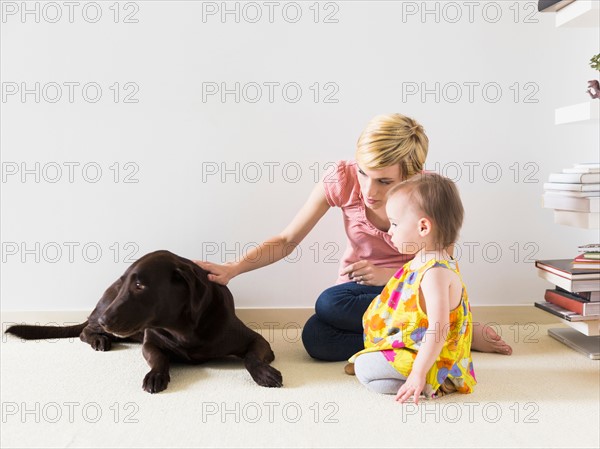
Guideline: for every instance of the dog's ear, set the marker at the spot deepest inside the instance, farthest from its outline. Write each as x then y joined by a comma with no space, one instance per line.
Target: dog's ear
179,275
197,286
190,274
182,273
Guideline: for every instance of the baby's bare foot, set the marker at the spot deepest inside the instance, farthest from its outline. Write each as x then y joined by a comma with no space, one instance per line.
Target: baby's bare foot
486,339
349,369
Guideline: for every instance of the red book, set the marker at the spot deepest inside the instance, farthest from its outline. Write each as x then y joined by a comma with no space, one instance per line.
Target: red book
572,303
582,258
583,262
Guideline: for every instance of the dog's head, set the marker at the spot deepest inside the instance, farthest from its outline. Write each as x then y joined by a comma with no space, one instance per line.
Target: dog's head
159,290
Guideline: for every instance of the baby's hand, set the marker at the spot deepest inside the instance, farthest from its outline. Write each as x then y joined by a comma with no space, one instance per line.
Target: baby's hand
413,386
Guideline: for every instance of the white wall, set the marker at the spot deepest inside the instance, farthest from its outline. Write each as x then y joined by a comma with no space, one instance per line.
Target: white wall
171,136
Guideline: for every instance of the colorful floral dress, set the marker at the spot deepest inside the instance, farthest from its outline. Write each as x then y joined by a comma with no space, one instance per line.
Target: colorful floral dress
395,324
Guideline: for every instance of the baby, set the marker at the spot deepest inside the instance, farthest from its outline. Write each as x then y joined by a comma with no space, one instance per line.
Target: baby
418,331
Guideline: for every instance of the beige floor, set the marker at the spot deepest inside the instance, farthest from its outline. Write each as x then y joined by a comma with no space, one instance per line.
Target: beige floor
63,394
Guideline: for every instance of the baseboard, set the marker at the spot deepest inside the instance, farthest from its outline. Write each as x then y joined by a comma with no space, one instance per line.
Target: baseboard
272,318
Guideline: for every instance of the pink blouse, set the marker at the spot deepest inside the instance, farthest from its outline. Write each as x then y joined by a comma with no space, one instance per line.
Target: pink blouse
365,241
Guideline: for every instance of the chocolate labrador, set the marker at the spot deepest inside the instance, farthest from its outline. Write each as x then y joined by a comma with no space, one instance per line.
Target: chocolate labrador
167,303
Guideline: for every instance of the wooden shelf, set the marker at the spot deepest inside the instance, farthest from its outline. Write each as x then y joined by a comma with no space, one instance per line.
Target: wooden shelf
579,14
588,112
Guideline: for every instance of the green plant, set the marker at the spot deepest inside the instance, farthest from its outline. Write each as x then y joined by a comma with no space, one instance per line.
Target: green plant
595,62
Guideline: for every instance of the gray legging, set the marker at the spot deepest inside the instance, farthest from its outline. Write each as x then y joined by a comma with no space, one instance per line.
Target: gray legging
375,372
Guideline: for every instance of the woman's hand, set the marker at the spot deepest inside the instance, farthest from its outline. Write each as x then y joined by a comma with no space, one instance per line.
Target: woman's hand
364,272
412,387
221,274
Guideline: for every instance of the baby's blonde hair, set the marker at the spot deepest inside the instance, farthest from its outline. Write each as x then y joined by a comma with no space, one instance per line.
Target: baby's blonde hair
437,197
393,139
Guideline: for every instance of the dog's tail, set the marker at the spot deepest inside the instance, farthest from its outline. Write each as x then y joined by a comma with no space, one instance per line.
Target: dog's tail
29,332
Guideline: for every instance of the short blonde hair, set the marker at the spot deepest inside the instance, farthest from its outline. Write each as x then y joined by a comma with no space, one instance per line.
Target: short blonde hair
393,139
438,197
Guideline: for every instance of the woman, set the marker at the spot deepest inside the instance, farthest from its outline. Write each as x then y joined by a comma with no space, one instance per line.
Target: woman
390,149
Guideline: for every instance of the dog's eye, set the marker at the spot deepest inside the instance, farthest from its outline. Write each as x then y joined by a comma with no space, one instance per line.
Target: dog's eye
139,285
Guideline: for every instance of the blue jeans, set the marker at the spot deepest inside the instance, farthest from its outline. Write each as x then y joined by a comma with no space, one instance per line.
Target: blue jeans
335,331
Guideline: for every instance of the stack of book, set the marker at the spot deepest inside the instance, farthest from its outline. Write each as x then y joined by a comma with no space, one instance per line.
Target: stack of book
576,296
589,257
574,194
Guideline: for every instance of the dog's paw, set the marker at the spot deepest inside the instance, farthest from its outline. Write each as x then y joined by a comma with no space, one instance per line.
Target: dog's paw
100,342
156,381
267,376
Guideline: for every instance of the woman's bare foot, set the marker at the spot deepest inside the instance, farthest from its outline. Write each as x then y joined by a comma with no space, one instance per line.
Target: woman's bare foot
485,339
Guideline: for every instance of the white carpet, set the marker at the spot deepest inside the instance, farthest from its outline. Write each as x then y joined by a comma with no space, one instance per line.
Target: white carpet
63,394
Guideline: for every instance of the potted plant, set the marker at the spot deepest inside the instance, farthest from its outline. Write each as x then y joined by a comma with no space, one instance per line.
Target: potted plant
594,85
